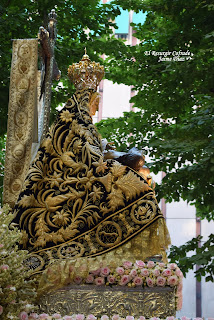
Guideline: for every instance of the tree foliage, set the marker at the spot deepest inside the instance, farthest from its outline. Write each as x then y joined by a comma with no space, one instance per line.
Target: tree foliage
174,101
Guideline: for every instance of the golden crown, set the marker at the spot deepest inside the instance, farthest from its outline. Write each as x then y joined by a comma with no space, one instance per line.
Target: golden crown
86,74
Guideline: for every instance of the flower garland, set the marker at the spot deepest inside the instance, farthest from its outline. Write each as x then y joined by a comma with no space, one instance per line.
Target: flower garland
138,274
57,316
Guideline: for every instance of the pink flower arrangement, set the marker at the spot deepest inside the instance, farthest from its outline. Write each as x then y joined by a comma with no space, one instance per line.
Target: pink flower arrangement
96,272
116,317
150,282
120,271
77,279
138,281
156,272
33,316
167,272
89,279
133,273
80,317
127,264
161,281
178,273
172,266
104,317
150,264
99,281
141,318
91,317
172,281
43,316
23,315
129,318
161,265
139,264
148,274
111,279
104,271
145,272
124,280
58,316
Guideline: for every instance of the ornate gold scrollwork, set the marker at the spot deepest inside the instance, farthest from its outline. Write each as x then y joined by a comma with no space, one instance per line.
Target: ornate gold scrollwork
143,211
108,234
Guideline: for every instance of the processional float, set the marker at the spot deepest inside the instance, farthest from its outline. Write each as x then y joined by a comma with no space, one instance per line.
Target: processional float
87,221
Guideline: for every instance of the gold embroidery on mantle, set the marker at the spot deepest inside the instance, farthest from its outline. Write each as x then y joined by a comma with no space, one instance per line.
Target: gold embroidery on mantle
22,101
75,204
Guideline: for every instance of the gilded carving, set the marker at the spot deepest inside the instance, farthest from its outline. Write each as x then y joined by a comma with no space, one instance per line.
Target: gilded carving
22,100
150,302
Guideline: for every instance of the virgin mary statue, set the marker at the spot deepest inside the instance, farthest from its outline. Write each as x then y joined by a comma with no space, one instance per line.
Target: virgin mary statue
75,204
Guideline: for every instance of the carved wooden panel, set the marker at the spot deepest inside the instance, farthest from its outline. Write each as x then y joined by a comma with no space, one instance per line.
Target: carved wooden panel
149,302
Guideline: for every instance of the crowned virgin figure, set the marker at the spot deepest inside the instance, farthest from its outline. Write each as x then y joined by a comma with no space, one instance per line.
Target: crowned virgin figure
75,204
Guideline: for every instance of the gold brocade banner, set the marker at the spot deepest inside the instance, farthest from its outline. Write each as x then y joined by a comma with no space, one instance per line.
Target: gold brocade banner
20,128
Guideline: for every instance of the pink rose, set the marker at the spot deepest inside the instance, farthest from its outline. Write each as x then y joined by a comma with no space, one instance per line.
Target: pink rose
127,264
89,279
33,316
43,316
124,280
4,267
104,271
172,281
179,273
167,273
120,271
68,318
99,281
23,315
115,317
141,318
160,281
96,272
170,318
111,279
133,273
139,264
150,282
156,272
104,317
1,309
80,317
91,317
161,265
172,266
144,272
137,281
129,318
185,318
77,279
57,316
1,245
150,264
